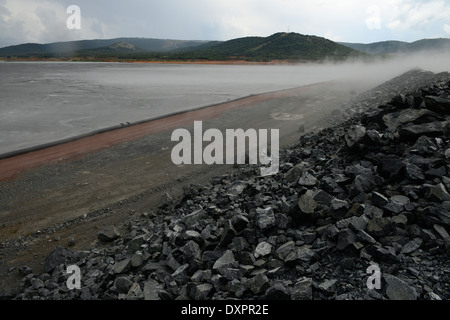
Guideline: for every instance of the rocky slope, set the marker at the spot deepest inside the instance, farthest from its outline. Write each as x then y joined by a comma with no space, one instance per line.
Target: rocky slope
371,191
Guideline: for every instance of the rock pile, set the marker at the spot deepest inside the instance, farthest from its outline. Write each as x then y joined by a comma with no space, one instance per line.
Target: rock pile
372,191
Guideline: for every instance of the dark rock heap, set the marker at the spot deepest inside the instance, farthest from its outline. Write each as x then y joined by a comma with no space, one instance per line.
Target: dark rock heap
372,191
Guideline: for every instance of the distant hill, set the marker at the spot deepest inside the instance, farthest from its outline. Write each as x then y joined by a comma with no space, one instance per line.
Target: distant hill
279,46
71,47
399,47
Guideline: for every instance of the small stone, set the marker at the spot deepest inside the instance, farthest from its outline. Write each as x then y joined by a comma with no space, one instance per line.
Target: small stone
202,291
322,197
257,283
304,253
193,218
86,294
263,249
365,237
358,223
165,200
137,260
108,234
307,203
432,296
436,104
412,246
293,174
337,204
447,153
436,193
399,219
302,290
328,286
122,266
227,260
355,135
346,237
239,222
378,200
57,257
71,242
347,263
397,289
379,226
277,292
191,251
363,183
414,173
307,180
122,284
430,129
228,234
180,275
285,249
265,218
25,270
151,290
441,231
236,189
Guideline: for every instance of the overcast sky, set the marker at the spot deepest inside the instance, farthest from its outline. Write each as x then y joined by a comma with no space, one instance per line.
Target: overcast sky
365,21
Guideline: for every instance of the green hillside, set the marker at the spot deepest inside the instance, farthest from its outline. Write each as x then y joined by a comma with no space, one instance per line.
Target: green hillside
279,46
69,48
399,47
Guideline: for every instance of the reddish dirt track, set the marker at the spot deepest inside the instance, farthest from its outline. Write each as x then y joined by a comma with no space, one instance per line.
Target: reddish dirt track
12,166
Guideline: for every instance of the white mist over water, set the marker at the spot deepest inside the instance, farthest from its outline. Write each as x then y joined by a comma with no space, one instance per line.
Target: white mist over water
44,102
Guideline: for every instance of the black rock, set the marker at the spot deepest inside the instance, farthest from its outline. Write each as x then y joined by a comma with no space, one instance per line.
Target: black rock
265,218
239,222
277,292
307,180
414,173
257,284
379,200
438,104
391,167
302,289
57,257
306,203
122,284
413,131
412,246
227,260
397,289
379,226
436,193
355,135
346,237
25,270
424,146
108,234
